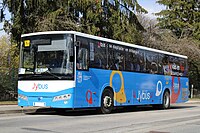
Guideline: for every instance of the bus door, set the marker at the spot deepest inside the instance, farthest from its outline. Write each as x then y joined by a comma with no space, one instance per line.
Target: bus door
86,92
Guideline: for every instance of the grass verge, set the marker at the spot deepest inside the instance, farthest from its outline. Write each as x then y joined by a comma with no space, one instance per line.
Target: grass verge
8,102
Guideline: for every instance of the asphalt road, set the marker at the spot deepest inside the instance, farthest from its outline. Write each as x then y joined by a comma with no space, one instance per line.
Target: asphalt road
181,118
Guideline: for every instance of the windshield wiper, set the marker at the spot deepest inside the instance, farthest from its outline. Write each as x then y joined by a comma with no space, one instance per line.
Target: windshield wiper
54,75
29,76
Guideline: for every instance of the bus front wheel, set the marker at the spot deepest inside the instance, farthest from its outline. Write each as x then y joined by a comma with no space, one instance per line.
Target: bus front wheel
107,101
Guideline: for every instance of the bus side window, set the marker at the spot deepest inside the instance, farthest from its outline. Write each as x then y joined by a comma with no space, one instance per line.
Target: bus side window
167,69
186,68
141,61
152,62
99,59
131,63
175,66
161,63
183,67
116,57
82,54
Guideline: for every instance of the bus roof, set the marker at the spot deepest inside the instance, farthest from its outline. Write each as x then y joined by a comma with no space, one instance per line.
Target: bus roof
104,39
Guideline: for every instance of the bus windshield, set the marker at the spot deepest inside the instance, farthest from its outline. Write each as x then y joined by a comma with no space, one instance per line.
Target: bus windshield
47,56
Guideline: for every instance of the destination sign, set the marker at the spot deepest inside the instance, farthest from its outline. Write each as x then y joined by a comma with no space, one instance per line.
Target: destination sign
41,42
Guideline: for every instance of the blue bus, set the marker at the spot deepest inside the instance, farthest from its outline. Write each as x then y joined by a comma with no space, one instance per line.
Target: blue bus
73,70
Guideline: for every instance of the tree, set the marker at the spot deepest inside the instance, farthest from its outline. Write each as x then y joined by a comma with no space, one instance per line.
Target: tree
182,17
114,19
165,39
8,65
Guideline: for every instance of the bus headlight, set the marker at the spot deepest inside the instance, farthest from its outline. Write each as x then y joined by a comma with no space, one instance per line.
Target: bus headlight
23,97
62,97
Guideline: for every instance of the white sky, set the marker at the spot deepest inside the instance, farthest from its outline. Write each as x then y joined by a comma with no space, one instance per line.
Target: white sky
7,17
151,6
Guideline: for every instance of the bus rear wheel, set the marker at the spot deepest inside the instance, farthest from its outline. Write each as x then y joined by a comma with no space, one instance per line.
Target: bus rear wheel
166,100
107,101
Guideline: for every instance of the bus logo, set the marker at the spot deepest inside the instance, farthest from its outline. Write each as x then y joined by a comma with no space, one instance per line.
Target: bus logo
143,95
89,97
80,77
158,88
39,86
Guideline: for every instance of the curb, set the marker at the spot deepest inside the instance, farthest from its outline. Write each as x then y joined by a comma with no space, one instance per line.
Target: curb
26,110
193,102
18,111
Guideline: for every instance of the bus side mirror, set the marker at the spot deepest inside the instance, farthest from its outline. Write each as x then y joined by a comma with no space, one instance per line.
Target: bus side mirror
71,59
77,43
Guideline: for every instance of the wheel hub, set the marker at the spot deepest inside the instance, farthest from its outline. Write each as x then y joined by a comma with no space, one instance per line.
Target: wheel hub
107,101
166,100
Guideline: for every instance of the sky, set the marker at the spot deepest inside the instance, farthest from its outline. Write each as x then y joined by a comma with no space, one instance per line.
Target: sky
7,17
150,5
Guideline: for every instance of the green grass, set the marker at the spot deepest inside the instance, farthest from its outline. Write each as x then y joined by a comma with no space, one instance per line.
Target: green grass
8,102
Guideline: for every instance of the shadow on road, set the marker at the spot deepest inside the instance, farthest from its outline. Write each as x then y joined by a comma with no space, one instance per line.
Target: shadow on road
85,112
182,107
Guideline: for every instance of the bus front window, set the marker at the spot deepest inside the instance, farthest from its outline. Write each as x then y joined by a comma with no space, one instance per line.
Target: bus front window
48,59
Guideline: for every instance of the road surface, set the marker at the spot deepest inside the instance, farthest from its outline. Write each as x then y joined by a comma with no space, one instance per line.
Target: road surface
181,118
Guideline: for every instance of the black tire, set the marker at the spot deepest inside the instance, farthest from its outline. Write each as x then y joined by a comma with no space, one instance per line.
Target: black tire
166,100
107,101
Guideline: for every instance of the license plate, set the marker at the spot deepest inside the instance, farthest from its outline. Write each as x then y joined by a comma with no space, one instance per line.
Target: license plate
40,104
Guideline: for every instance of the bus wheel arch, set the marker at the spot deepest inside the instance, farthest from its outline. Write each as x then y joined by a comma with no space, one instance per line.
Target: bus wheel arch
107,100
166,99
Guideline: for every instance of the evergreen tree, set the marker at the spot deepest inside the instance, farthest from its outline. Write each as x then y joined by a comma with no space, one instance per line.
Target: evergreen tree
114,19
181,16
